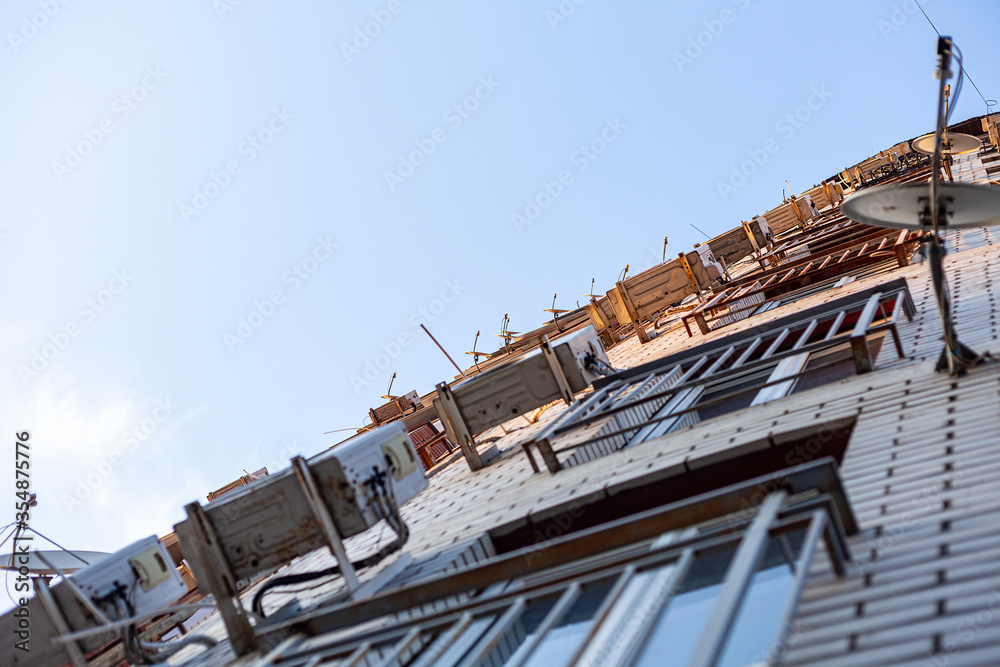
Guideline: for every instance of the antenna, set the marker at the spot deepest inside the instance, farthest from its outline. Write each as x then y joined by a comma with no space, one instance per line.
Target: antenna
664,249
505,333
388,391
927,209
476,355
555,312
706,235
40,562
460,371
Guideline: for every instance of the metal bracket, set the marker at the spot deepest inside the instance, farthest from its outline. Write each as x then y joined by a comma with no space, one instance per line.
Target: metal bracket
548,455
207,550
753,240
596,316
557,371
59,621
625,302
797,211
326,526
863,362
690,274
456,426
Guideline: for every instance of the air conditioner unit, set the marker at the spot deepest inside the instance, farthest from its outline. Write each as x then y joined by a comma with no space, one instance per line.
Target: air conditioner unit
315,503
554,371
142,574
143,571
267,524
745,240
395,408
807,207
704,267
761,231
369,454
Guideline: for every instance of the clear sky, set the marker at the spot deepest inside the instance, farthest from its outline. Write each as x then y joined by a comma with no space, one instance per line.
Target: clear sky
223,222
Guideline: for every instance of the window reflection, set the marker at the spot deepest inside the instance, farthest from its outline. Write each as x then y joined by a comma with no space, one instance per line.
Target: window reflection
466,640
675,634
562,641
760,614
521,630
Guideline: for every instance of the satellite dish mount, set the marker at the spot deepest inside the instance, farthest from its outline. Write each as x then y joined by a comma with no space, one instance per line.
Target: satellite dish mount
926,209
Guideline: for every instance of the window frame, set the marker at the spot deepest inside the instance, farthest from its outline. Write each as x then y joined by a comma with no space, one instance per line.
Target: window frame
809,496
663,396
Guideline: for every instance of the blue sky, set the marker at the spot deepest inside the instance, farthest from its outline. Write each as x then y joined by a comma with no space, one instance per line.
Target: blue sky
217,216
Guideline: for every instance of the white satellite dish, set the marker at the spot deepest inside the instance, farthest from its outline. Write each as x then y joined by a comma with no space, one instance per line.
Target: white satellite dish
955,143
906,205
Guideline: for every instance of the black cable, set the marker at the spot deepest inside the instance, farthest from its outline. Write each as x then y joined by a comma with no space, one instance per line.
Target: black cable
291,579
165,650
134,653
391,516
956,53
960,65
592,363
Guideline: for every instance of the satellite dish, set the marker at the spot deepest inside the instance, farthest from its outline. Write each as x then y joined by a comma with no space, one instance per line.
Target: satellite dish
931,207
907,206
65,561
955,143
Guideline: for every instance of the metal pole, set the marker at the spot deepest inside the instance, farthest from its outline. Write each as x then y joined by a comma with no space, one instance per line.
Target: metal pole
460,372
956,358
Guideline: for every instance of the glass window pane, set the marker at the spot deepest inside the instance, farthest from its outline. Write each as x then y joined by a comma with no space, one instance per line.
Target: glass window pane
718,391
763,606
522,629
564,639
465,641
676,632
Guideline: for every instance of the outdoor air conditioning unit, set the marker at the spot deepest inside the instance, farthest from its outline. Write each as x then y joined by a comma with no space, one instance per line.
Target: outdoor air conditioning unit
267,524
809,210
315,503
761,232
704,267
554,371
131,583
143,570
734,245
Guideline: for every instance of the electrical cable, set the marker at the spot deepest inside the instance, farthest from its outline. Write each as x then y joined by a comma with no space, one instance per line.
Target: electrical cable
138,651
165,650
386,507
381,554
18,529
592,363
960,66
956,53
9,536
120,605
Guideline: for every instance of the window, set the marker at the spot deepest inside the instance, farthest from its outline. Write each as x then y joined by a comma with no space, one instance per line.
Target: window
804,266
648,589
795,353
